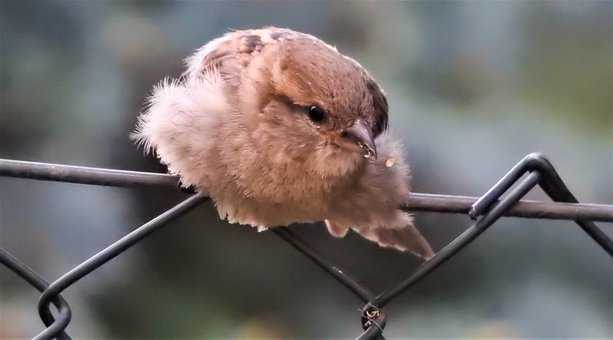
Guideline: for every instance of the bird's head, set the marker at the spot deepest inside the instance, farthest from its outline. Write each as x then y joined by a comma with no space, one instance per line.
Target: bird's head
314,105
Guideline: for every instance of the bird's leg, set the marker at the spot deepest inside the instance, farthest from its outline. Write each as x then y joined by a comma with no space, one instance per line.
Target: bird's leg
335,229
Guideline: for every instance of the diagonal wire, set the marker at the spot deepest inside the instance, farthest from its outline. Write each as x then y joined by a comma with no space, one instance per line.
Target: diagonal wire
290,237
552,184
30,276
462,240
451,249
541,172
96,261
373,320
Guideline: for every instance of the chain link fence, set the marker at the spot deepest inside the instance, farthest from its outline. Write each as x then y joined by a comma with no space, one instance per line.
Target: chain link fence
503,199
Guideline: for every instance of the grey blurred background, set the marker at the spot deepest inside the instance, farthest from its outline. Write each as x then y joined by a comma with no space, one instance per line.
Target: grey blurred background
473,87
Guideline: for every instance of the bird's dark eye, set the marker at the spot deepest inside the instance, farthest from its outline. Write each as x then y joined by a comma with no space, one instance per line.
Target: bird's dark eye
316,114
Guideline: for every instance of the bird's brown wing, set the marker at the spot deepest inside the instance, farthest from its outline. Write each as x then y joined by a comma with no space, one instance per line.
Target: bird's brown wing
233,52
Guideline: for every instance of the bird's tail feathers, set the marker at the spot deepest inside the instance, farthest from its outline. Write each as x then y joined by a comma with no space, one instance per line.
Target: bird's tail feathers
407,238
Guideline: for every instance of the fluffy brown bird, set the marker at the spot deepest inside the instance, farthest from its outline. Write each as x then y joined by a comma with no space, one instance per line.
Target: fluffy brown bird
278,127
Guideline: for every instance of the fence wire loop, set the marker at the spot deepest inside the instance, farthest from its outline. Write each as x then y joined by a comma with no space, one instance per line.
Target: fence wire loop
372,316
373,321
503,199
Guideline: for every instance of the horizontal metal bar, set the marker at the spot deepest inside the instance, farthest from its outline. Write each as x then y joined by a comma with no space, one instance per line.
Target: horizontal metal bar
83,174
523,208
415,202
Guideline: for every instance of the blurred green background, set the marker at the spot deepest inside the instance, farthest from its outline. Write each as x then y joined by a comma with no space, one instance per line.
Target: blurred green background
473,87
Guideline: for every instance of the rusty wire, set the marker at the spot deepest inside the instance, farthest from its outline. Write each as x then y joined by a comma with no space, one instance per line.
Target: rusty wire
503,199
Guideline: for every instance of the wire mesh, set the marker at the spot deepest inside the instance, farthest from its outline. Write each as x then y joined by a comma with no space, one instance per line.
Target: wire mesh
503,199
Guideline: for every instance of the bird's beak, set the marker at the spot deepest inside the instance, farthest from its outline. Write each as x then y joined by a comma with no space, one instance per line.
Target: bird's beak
361,134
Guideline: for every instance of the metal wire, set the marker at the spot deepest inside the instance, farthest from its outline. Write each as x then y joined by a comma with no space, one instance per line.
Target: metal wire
461,241
96,261
533,170
30,276
415,202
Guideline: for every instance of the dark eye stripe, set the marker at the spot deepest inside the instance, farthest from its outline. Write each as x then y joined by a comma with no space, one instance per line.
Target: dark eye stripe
381,108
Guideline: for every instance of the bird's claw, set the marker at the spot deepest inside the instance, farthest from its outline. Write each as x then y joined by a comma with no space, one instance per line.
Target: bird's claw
188,190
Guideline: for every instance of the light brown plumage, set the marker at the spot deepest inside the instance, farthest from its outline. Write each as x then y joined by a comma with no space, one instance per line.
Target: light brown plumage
275,126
